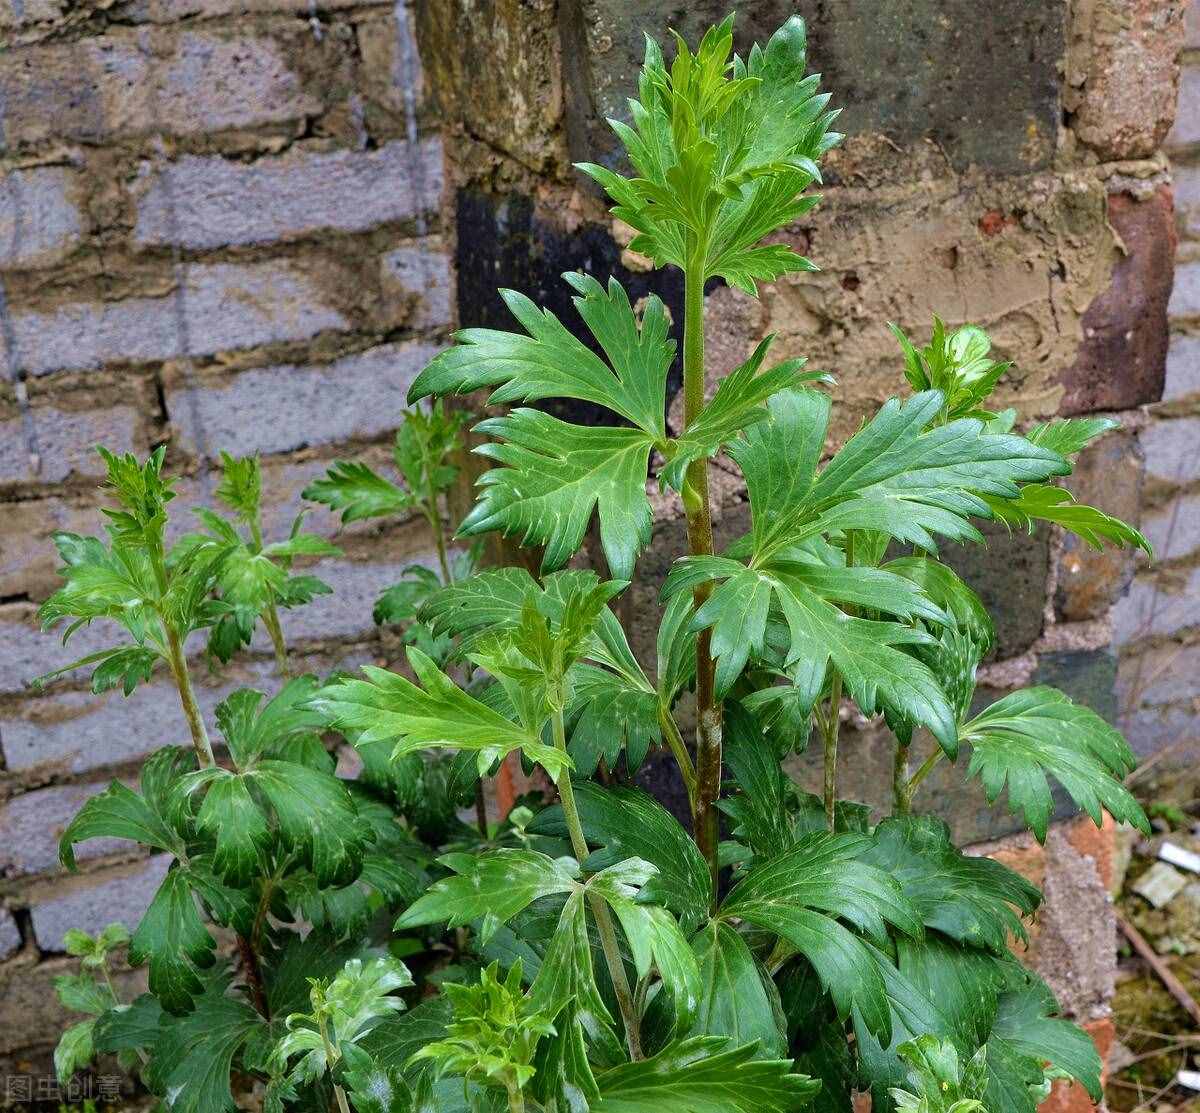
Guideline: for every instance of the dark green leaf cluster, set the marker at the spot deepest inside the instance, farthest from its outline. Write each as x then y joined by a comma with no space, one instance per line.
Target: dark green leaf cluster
589,952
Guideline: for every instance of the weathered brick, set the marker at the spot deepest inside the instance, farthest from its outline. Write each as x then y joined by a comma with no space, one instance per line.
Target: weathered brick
1191,28
1150,728
1107,475
169,11
1183,367
39,223
1009,573
1185,178
30,1013
90,902
1126,102
1185,297
994,102
391,76
1187,116
421,268
222,306
1125,327
358,396
203,202
184,83
76,732
26,652
1174,528
10,934
23,13
1170,446
30,826
1168,674
27,555
346,614
1159,603
66,439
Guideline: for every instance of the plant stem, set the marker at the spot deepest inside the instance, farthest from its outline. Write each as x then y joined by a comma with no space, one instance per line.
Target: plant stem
271,622
900,798
677,747
481,819
700,543
340,1094
254,978
604,924
187,697
832,725
916,779
516,1100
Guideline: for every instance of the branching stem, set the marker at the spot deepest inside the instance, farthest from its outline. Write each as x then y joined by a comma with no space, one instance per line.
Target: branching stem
700,543
832,724
914,782
678,749
604,923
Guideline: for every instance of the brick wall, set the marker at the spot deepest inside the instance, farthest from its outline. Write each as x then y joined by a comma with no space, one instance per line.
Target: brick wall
1157,624
246,223
219,228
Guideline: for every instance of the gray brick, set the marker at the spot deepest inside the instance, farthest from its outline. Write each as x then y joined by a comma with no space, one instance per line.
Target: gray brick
10,935
39,223
168,11
27,652
76,731
1186,183
1183,367
1158,604
1185,297
1152,728
15,15
272,409
224,306
346,614
187,83
30,826
66,441
1187,116
421,268
1171,447
218,202
89,903
1174,528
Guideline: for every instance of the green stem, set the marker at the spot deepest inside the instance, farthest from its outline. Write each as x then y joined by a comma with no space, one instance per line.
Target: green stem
914,782
187,697
832,725
677,747
604,923
271,622
900,798
481,819
516,1100
439,539
700,543
340,1094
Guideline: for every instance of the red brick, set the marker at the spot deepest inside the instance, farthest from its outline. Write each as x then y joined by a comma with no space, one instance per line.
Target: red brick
1122,360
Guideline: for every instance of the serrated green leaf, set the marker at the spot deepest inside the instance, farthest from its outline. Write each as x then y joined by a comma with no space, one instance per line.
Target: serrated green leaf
1072,435
74,1050
944,587
120,813
495,884
629,823
802,894
1021,738
554,476
175,942
251,728
736,993
704,1075
358,492
241,485
386,706
551,362
975,900
761,809
1039,502
607,714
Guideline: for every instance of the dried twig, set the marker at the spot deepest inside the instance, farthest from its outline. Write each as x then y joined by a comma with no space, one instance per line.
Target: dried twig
1174,986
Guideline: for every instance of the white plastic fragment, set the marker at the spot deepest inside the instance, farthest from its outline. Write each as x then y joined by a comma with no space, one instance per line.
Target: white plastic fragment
1179,856
1159,884
1188,1078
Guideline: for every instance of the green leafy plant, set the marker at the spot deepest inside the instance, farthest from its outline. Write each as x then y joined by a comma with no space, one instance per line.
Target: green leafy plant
591,952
